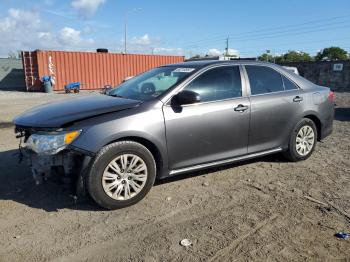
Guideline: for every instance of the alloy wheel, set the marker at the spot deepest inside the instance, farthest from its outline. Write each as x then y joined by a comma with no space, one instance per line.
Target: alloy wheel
305,140
124,177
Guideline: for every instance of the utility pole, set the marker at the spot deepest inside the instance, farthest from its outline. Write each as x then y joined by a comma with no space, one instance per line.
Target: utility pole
267,55
226,53
126,27
125,32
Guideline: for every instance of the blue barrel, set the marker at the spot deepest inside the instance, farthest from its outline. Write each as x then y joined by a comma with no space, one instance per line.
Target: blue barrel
48,87
47,84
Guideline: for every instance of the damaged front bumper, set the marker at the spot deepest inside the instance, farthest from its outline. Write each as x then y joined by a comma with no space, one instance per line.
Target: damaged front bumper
67,165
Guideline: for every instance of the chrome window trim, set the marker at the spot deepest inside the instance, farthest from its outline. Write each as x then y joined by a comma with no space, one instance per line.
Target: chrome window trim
209,102
272,93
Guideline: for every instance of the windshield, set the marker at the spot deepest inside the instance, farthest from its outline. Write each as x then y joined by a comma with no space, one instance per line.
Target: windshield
151,84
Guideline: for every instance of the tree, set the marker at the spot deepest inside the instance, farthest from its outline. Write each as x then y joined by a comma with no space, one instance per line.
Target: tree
14,55
296,56
332,53
195,57
291,56
279,59
266,57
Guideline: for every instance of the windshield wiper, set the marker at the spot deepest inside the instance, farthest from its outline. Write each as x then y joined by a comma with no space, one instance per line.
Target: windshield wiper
116,95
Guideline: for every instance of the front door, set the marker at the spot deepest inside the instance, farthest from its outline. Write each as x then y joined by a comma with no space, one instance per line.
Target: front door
214,129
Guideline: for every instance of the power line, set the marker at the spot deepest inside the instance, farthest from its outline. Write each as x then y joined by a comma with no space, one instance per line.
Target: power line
312,41
312,22
286,33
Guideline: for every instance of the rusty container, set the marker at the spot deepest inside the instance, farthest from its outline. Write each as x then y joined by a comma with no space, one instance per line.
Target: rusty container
93,70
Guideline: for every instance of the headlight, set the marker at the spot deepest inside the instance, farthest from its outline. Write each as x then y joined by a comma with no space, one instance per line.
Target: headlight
50,144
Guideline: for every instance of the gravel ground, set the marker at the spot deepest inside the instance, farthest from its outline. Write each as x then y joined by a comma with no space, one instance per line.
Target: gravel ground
13,103
257,210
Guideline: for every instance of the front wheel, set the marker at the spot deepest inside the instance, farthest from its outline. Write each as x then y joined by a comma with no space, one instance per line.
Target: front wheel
121,175
302,141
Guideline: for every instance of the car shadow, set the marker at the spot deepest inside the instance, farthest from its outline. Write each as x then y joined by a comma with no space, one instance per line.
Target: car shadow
17,184
342,113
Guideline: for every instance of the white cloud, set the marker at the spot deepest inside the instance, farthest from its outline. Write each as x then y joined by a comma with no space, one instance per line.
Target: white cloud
24,30
217,52
233,52
70,36
214,52
169,51
142,40
87,8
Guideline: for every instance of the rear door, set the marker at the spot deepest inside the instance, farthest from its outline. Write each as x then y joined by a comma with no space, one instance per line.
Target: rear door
214,129
275,105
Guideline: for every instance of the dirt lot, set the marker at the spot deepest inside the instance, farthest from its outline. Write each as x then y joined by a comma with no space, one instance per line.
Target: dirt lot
255,210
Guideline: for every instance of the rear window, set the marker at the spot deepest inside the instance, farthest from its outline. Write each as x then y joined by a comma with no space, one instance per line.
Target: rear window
264,80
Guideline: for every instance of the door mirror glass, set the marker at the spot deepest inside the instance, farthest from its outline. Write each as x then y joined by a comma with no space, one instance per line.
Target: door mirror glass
185,97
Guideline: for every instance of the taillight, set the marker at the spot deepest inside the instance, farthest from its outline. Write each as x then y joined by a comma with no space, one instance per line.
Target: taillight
331,96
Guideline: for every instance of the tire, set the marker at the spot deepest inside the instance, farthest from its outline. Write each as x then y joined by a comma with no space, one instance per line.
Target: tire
107,172
294,154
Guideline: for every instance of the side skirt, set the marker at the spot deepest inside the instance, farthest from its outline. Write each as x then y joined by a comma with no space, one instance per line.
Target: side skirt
223,162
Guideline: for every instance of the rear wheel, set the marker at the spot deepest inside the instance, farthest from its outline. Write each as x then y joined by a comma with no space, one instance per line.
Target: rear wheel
121,175
302,141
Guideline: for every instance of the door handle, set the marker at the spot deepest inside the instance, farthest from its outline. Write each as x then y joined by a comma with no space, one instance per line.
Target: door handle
241,108
297,99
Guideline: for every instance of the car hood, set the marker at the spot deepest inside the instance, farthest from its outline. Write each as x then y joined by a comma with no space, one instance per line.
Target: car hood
58,114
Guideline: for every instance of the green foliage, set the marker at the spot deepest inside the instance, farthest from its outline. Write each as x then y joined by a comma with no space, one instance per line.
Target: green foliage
195,57
296,56
266,57
291,56
332,53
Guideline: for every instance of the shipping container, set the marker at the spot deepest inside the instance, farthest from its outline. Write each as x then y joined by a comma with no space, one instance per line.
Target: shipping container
93,70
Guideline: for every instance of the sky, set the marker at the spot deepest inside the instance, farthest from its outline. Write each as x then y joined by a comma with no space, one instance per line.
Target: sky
181,27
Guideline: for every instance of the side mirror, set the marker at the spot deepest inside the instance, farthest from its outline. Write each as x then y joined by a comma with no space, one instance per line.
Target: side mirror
186,97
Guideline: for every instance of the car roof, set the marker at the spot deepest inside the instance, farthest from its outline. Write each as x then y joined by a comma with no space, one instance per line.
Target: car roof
204,63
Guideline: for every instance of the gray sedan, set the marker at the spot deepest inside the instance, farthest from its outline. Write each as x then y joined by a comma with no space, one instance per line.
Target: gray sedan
175,119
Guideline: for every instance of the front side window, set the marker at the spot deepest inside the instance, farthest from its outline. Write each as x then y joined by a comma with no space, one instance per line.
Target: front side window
153,83
264,80
218,84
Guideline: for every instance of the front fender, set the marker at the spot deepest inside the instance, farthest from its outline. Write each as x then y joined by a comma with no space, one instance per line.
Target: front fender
147,125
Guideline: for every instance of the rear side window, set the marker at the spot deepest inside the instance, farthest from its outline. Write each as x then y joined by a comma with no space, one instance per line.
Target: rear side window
288,85
264,80
218,84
